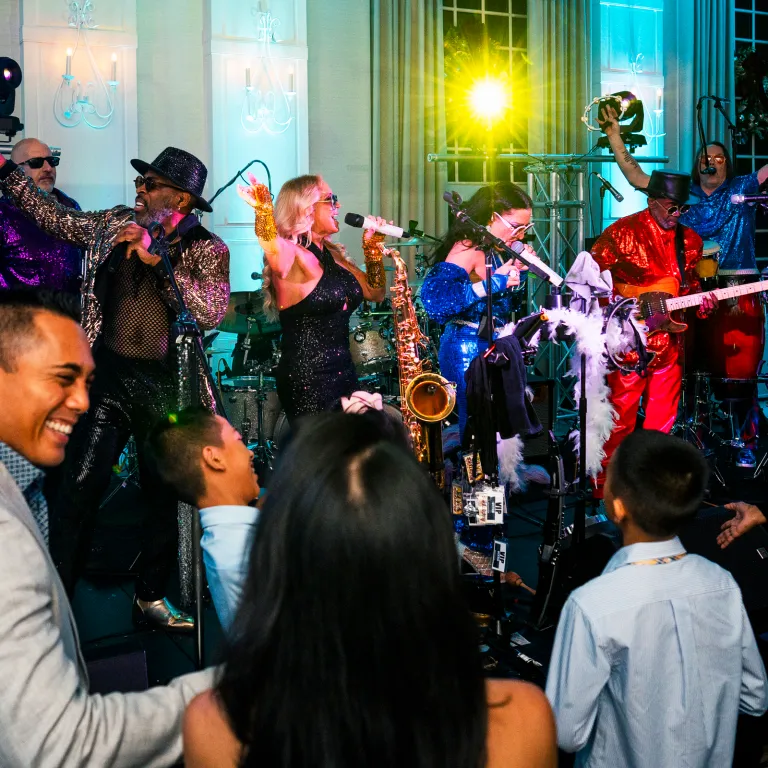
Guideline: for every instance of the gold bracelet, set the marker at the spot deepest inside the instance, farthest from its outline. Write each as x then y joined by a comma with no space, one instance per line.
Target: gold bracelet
374,261
264,226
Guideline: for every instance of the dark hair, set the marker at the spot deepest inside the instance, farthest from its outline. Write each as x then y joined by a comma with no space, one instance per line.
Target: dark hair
696,172
353,644
18,308
174,447
499,197
660,479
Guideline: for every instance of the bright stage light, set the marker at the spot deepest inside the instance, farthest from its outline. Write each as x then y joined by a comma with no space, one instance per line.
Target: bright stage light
489,99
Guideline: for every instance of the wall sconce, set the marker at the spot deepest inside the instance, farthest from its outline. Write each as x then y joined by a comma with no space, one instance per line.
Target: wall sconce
74,102
269,107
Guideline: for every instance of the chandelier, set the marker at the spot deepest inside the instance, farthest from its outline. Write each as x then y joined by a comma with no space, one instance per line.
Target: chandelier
91,103
267,105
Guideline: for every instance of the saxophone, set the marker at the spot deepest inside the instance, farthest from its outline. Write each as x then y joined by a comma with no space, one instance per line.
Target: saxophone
426,398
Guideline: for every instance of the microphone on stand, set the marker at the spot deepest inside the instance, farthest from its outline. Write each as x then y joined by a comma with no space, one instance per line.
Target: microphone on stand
255,275
610,188
750,199
356,220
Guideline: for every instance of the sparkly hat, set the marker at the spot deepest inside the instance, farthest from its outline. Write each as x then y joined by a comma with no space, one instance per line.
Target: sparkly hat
183,169
671,185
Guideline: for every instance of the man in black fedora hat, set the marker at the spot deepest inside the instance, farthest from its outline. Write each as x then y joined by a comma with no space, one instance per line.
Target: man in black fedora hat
128,310
651,251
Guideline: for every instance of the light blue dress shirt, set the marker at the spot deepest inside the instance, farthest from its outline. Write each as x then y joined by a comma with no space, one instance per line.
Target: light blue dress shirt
652,664
226,543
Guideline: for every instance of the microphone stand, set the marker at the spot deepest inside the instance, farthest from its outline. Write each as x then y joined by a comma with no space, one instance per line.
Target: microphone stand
190,356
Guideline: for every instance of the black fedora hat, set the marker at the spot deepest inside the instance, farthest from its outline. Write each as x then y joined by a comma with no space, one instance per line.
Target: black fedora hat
671,185
183,169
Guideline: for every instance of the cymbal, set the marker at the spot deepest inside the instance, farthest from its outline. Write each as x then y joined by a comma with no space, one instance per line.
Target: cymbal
414,241
245,314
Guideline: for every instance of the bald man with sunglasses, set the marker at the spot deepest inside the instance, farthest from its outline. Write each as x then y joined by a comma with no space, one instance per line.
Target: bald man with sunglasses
28,256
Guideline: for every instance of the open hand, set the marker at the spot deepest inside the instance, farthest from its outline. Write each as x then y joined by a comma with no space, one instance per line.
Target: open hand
608,119
747,517
257,195
138,240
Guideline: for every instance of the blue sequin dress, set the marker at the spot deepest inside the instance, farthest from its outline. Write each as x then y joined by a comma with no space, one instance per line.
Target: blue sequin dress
731,226
450,298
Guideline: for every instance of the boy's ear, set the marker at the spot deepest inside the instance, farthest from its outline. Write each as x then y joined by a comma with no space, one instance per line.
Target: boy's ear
212,458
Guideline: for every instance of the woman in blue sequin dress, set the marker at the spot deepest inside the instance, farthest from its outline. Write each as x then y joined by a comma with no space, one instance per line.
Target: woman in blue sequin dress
454,291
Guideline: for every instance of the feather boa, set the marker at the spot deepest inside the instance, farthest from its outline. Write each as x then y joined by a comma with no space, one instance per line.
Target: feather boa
587,331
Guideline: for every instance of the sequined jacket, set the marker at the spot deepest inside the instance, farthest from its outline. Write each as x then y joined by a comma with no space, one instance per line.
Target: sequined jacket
638,252
202,270
449,294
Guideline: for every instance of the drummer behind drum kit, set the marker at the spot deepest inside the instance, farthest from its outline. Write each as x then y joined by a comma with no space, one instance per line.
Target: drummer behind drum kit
248,385
724,353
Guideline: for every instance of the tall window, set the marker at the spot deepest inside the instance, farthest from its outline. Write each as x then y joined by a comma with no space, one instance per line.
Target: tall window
752,31
502,25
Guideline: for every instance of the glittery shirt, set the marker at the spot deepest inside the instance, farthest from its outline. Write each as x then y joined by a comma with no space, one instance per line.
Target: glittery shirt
731,226
202,269
29,257
449,298
637,251
316,368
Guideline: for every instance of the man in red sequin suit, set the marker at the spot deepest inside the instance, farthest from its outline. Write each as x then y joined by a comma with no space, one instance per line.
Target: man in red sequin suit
641,251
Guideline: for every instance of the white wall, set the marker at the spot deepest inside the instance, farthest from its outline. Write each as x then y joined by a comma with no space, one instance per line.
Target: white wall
340,104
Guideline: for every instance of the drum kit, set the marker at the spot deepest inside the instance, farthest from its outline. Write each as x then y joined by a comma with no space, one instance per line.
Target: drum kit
724,354
247,381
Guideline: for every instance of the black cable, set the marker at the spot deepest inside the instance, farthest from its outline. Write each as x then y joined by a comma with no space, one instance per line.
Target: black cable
239,174
589,203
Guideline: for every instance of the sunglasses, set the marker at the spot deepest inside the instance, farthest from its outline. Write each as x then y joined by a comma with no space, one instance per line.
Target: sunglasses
150,182
37,162
673,209
518,229
719,159
332,199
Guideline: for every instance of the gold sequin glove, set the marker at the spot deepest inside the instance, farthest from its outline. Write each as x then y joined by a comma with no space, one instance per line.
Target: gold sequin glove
373,248
265,216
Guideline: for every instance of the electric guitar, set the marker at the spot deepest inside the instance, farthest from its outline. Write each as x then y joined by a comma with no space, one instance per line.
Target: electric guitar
656,304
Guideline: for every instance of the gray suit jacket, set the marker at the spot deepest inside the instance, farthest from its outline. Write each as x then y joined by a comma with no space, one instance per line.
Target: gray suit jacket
47,717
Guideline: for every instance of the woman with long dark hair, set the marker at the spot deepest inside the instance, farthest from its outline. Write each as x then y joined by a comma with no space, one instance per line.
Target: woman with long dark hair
353,645
455,289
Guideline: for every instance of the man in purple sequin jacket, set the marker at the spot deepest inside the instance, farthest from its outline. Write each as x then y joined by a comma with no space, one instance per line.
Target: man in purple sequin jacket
28,256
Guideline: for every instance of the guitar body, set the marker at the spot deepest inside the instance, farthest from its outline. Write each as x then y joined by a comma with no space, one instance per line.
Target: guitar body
652,301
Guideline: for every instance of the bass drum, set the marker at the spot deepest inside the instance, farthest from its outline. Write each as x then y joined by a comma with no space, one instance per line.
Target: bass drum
730,343
372,351
241,396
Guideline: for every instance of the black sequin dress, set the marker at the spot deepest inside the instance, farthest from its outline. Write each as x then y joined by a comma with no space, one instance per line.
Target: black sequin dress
315,369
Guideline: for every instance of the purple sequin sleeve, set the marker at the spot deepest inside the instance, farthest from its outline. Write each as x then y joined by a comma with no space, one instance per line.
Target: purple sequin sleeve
55,219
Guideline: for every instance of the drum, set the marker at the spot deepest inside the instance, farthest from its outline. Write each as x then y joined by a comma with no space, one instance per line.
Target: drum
730,343
707,266
241,396
372,351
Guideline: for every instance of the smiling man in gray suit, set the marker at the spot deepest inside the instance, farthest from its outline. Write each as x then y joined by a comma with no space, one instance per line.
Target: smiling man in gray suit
47,717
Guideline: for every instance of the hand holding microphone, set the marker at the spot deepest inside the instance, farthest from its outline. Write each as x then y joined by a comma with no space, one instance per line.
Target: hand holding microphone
376,224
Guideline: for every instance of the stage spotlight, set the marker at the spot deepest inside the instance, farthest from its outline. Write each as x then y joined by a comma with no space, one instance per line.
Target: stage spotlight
489,99
10,80
631,117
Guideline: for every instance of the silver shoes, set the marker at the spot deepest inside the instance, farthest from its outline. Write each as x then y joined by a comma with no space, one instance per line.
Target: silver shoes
162,614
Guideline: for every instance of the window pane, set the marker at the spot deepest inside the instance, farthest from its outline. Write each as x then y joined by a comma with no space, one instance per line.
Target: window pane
761,147
762,49
761,27
519,33
743,165
761,5
497,5
744,4
744,25
472,5
447,20
470,170
498,29
520,6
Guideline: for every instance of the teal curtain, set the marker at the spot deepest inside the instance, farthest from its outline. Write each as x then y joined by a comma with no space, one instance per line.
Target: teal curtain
699,49
563,48
408,112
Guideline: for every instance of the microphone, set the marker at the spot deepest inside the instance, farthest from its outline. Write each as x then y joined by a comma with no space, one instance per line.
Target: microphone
535,264
710,170
739,199
607,185
255,275
356,220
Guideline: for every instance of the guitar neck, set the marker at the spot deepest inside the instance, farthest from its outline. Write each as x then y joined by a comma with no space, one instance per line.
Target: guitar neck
694,299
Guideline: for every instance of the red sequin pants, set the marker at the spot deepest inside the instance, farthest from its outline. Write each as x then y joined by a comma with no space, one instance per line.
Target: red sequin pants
660,392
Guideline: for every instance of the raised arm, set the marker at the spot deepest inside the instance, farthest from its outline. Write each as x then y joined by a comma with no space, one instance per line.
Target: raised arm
279,252
55,219
637,177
